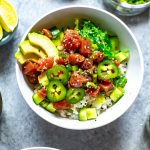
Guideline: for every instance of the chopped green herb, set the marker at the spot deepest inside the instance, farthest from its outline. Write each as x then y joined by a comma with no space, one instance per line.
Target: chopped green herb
120,81
99,38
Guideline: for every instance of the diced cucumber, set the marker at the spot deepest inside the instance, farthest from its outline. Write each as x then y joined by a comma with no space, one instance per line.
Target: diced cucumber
114,43
50,108
82,115
100,99
37,99
122,56
43,80
44,104
87,114
91,113
116,94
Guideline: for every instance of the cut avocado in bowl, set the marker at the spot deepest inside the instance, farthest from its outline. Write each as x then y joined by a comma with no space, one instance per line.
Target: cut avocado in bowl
36,47
43,42
23,58
26,48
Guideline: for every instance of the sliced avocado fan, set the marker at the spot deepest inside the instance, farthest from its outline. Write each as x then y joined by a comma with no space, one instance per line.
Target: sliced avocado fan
23,58
27,48
43,42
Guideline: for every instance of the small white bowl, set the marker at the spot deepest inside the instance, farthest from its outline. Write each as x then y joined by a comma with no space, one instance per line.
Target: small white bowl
64,17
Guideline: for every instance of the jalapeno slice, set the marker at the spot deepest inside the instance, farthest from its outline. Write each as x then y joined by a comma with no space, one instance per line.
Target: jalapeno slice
74,95
58,72
107,70
55,91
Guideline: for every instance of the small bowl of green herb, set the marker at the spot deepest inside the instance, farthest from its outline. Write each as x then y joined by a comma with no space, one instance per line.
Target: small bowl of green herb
127,7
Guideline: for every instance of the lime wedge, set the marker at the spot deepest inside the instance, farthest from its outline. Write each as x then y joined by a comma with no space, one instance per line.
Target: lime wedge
8,16
1,32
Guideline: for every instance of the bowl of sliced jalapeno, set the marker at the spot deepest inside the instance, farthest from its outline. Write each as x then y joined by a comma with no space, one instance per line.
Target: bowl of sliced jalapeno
80,73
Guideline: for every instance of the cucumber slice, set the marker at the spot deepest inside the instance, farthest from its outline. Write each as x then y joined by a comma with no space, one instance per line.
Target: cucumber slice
50,108
114,42
37,99
116,94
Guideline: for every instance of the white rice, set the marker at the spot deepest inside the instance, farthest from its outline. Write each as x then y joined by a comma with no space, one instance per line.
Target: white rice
87,100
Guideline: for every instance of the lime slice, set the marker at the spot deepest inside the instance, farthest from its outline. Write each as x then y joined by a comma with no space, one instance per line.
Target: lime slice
1,32
8,16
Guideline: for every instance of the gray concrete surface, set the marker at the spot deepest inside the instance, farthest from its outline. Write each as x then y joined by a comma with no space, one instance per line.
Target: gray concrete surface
20,127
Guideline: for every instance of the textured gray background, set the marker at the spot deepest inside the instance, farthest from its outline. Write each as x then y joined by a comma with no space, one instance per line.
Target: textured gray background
20,127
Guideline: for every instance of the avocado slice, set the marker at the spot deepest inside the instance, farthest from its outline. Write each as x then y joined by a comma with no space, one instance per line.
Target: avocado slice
27,48
43,42
23,58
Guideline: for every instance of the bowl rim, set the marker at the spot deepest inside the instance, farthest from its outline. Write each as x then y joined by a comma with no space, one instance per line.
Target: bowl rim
138,49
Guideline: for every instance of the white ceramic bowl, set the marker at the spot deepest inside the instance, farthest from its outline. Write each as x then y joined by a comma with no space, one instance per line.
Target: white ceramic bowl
64,17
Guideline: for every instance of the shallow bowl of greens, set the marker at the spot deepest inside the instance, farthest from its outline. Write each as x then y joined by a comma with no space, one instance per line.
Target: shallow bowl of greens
127,40
127,7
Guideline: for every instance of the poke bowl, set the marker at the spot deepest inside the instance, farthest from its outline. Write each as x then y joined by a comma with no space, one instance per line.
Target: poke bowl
89,79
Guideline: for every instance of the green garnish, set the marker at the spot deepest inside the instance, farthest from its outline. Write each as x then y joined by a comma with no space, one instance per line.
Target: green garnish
98,38
120,81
